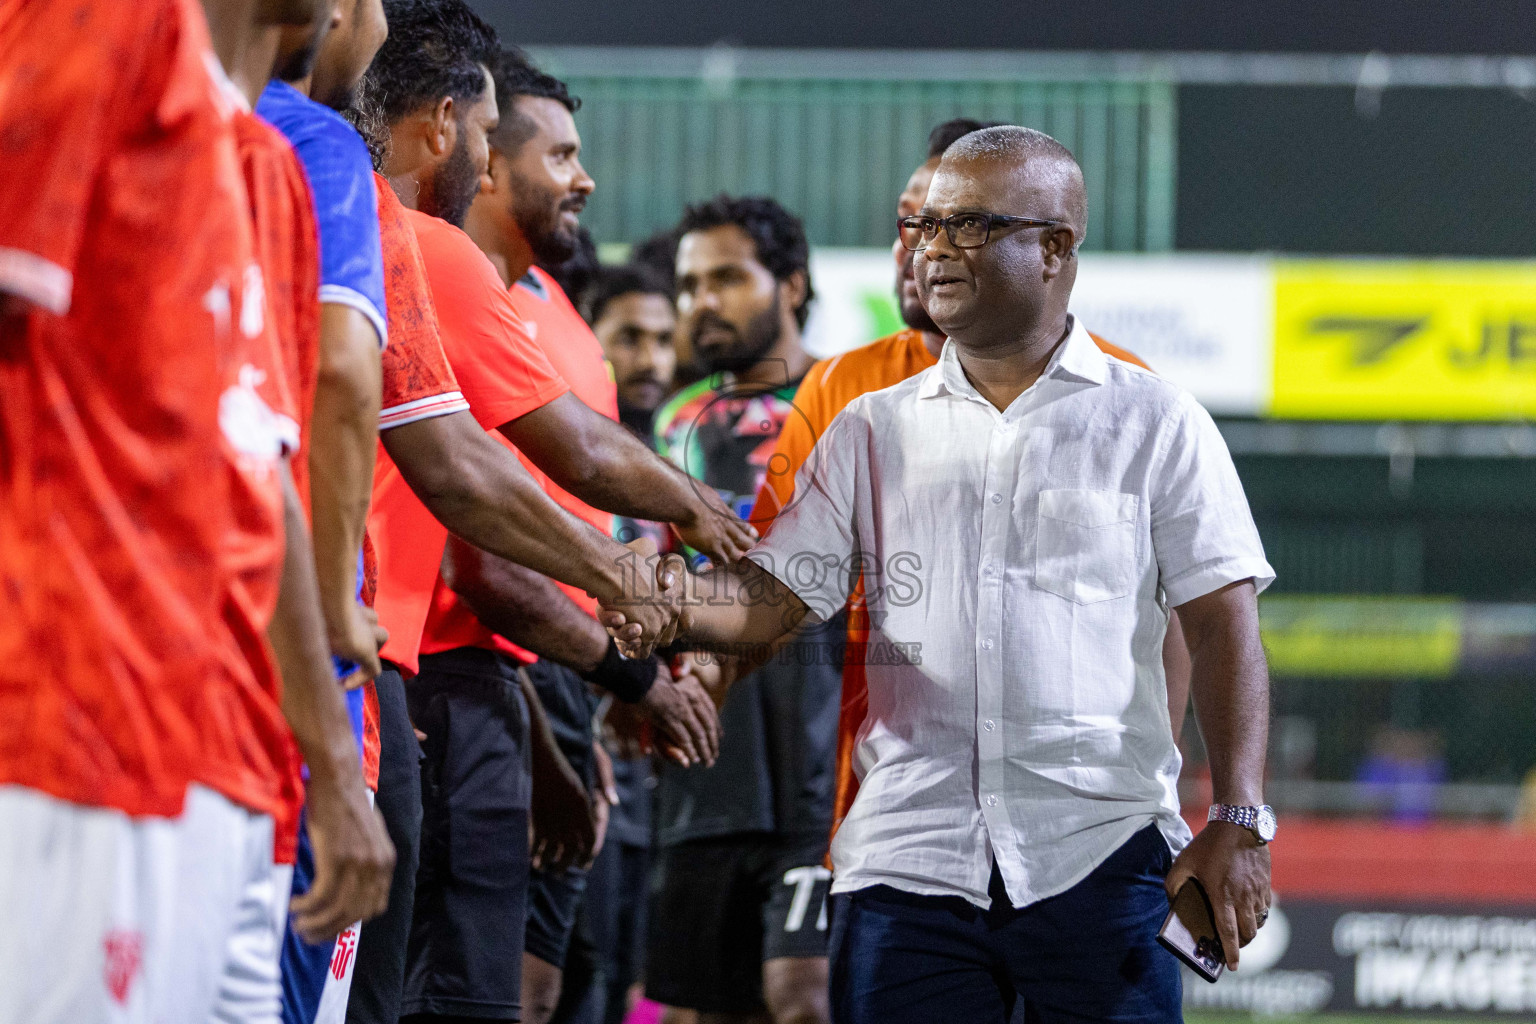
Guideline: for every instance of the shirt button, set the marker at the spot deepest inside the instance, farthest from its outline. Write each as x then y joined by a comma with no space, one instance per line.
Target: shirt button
997,499
991,801
987,644
989,725
987,570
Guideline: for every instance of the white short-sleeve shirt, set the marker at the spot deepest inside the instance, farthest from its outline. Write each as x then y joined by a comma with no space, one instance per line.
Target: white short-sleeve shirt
1019,567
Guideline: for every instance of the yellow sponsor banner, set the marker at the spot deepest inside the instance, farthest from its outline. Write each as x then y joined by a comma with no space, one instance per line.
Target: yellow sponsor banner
1348,637
1383,339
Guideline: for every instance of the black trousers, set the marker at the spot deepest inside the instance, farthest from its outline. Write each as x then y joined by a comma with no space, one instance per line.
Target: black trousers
465,953
379,977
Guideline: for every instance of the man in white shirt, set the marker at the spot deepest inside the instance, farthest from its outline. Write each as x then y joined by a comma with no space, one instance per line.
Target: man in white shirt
1025,513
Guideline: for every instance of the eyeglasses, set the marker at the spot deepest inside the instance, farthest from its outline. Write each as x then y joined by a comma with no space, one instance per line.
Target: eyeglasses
965,230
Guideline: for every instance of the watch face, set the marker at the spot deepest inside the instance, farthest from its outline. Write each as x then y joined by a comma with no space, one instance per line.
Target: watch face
1266,824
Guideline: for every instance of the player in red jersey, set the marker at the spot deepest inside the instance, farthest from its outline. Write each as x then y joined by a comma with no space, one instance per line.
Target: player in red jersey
436,99
352,858
136,779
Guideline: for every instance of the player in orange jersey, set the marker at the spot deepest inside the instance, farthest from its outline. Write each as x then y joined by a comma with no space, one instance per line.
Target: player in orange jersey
436,97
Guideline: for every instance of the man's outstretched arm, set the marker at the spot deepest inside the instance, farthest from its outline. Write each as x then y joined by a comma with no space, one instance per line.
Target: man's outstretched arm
739,608
528,609
479,490
731,609
609,468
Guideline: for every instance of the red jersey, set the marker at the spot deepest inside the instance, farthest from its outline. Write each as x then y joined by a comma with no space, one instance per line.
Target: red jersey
576,354
405,543
131,238
258,421
288,247
502,372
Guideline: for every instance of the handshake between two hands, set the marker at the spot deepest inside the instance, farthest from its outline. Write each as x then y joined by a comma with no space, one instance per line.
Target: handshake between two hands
651,610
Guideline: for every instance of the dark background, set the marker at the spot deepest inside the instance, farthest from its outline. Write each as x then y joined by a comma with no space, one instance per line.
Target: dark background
1288,169
1296,26
1292,169
1441,172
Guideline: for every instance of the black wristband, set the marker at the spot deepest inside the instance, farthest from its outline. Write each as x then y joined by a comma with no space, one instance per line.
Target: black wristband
628,679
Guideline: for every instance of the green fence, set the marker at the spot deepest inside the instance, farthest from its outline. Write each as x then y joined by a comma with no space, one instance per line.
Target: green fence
837,150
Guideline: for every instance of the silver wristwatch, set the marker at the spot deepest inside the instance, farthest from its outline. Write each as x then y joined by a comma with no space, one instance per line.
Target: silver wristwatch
1258,820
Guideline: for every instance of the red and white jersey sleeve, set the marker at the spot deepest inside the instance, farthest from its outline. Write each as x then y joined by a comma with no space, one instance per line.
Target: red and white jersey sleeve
288,250
404,545
418,382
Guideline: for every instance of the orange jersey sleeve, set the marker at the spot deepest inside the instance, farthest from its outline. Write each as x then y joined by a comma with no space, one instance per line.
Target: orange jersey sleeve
1117,352
288,252
827,388
404,544
794,445
501,371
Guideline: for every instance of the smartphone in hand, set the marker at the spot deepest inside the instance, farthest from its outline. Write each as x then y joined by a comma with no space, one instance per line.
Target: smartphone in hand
1189,932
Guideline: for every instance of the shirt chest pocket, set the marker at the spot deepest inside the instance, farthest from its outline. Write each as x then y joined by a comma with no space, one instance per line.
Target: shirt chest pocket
1086,544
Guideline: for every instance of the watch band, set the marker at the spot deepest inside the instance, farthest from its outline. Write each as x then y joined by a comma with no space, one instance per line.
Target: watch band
1248,817
1258,820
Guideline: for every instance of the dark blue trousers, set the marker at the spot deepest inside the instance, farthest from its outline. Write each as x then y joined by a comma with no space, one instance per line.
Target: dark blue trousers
1088,954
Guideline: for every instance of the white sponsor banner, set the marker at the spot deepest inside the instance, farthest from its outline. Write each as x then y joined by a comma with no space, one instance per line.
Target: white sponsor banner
855,299
1205,322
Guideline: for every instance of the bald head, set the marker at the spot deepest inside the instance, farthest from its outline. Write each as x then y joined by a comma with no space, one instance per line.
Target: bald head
1045,168
1014,287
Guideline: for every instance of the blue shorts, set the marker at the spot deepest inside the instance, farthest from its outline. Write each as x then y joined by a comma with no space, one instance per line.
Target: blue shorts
304,966
1088,954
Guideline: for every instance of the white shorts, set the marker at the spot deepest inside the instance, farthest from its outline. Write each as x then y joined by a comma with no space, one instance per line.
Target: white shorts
108,919
251,983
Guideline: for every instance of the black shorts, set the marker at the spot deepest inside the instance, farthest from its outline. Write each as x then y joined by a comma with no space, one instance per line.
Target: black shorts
721,907
568,705
554,897
465,955
615,911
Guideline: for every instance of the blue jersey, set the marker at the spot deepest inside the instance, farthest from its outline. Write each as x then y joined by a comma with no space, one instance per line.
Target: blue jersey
346,205
340,174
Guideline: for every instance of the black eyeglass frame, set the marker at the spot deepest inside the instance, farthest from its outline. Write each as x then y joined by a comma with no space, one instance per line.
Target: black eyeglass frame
948,224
